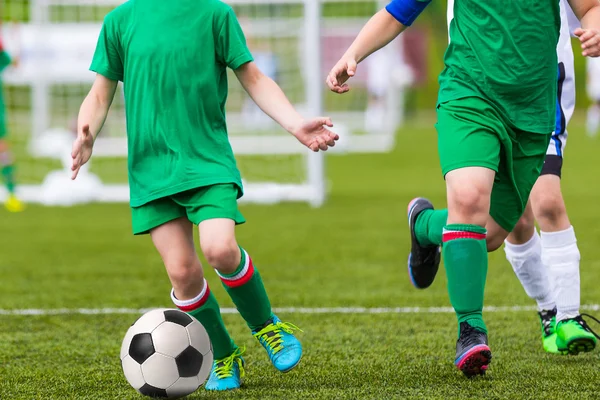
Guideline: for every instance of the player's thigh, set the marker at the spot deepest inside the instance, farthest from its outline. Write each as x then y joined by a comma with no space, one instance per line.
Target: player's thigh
211,202
469,149
174,241
215,210
154,214
519,170
468,134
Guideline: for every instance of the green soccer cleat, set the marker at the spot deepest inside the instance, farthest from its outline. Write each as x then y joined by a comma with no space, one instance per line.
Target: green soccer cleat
574,336
548,323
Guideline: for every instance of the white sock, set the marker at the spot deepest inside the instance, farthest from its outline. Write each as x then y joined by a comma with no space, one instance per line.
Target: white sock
561,255
526,260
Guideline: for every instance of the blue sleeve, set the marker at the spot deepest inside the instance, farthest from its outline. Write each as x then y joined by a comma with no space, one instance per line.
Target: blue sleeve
406,11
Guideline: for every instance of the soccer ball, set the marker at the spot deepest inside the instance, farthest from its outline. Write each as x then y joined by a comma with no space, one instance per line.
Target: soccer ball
166,353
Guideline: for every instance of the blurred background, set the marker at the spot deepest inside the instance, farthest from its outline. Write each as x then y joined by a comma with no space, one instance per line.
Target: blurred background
295,43
326,231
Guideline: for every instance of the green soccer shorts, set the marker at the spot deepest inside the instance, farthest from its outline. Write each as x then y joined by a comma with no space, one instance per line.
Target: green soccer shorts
473,133
200,204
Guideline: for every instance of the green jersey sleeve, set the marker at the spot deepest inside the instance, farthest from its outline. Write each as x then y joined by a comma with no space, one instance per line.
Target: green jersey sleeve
108,60
231,46
4,60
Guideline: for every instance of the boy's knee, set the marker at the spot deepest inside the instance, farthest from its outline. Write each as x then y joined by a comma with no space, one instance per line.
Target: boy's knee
223,256
551,209
469,205
184,270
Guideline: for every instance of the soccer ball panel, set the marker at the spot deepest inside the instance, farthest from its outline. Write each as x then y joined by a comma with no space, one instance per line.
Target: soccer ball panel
170,339
149,321
189,362
126,341
160,371
133,372
151,391
141,347
183,387
207,364
177,317
199,337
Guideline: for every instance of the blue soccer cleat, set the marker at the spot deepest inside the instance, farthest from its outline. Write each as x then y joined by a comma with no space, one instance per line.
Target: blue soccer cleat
227,373
284,350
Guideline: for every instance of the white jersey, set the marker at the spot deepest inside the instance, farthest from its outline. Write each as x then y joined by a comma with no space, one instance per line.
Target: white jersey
566,76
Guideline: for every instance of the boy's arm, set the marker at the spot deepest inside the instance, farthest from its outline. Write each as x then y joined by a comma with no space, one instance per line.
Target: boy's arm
92,115
271,99
588,12
381,29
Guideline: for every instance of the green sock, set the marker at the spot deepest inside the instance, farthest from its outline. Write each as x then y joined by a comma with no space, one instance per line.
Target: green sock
246,289
8,172
466,261
429,226
209,315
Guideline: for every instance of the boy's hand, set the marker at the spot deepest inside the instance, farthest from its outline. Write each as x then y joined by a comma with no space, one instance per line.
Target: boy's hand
313,134
590,41
340,73
82,149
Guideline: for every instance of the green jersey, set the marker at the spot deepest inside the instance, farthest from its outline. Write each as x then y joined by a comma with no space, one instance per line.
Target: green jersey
4,62
504,51
172,58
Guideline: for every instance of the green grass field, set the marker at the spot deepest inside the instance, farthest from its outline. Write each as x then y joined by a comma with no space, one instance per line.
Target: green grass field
349,253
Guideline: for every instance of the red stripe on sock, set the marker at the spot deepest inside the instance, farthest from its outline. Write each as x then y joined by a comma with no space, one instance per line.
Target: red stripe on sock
243,280
453,235
197,304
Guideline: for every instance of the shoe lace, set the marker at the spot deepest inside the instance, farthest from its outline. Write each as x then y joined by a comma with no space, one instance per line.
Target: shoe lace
271,334
546,316
585,325
224,366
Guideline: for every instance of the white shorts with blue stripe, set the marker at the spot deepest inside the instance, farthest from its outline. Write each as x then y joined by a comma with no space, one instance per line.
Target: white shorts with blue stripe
565,101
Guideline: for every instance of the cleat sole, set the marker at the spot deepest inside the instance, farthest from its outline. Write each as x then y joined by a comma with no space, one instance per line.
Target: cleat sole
475,361
581,345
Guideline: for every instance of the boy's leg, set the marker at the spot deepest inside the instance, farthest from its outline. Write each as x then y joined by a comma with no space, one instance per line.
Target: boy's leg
234,266
560,255
523,250
172,235
466,261
469,132
174,241
215,210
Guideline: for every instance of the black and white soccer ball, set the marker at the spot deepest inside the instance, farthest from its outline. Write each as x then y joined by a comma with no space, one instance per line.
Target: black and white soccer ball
166,354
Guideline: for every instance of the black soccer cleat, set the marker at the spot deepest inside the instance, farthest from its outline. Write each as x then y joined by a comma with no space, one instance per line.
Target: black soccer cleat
473,355
423,261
